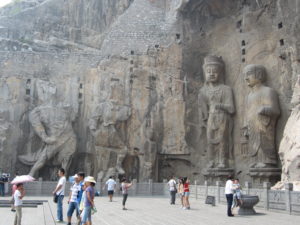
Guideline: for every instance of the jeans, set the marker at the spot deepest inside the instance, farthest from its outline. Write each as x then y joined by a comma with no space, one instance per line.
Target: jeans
73,206
173,197
60,208
124,199
2,189
229,198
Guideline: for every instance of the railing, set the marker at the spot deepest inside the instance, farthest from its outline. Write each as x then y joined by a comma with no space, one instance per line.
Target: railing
284,201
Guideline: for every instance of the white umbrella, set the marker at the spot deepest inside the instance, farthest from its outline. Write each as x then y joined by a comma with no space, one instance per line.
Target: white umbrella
22,179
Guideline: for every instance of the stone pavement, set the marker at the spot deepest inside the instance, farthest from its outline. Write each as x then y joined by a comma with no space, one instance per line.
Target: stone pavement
149,211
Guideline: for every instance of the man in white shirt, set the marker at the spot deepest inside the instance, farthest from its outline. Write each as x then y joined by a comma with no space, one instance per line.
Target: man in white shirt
229,194
60,191
111,185
173,190
18,196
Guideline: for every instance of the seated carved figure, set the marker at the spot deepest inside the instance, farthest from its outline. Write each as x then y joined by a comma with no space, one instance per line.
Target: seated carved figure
53,124
262,111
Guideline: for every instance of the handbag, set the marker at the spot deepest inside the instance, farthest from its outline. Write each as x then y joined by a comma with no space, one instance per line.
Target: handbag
55,197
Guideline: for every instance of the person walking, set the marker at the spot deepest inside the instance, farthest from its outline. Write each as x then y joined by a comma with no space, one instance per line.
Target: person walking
124,188
229,195
111,185
60,192
89,201
73,203
2,184
173,190
13,190
181,191
186,190
18,196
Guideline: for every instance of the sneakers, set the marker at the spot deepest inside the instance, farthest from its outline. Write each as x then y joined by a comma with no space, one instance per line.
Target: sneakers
69,224
59,221
124,208
13,210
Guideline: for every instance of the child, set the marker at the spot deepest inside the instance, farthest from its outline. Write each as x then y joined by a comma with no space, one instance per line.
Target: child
237,193
18,196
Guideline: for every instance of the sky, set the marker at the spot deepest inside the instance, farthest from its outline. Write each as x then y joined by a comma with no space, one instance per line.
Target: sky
4,2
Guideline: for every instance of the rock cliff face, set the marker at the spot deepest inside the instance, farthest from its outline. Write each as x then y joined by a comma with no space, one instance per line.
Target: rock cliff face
131,71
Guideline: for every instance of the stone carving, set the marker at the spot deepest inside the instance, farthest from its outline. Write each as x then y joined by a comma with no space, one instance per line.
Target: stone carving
216,107
289,149
105,125
262,111
52,123
4,128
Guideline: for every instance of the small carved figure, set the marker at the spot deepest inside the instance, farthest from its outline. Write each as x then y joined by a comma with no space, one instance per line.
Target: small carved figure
216,107
53,124
262,111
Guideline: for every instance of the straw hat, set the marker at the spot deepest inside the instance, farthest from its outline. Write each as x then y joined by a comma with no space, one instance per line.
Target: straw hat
76,176
90,179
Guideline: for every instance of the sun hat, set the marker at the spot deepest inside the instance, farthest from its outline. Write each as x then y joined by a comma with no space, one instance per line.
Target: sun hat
76,176
90,179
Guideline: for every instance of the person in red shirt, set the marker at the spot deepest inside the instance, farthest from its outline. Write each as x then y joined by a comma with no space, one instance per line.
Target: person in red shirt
186,184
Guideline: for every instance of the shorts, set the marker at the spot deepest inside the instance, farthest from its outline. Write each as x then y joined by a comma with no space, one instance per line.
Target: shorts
73,206
187,194
110,192
86,214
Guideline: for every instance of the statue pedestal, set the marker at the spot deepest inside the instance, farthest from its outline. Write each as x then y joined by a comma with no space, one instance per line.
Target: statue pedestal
261,175
217,174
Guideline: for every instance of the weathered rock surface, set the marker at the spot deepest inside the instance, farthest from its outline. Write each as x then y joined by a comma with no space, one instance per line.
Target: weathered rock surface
132,70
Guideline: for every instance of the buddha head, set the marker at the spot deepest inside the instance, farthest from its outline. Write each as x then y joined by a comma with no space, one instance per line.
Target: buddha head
254,74
213,68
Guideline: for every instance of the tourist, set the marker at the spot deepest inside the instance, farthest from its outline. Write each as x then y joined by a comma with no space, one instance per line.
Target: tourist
13,189
186,190
60,192
111,185
73,204
89,201
3,180
181,191
82,202
173,190
237,193
124,188
229,195
80,193
18,196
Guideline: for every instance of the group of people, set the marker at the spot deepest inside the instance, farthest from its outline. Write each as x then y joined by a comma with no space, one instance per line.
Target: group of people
80,199
181,187
111,186
233,194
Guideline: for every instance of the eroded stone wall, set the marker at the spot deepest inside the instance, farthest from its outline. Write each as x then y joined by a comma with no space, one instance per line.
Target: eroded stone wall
132,71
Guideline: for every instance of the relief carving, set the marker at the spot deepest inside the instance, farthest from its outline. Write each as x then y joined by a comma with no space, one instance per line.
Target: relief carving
52,123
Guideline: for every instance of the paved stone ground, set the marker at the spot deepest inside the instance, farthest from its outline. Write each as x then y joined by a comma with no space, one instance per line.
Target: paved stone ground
150,211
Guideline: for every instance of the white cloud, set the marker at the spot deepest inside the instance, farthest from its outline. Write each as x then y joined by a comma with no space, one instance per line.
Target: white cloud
4,2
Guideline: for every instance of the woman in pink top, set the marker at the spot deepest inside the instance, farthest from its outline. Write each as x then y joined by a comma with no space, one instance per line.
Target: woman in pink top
124,188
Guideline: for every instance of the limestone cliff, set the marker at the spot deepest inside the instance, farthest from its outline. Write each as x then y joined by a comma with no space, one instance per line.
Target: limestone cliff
132,71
